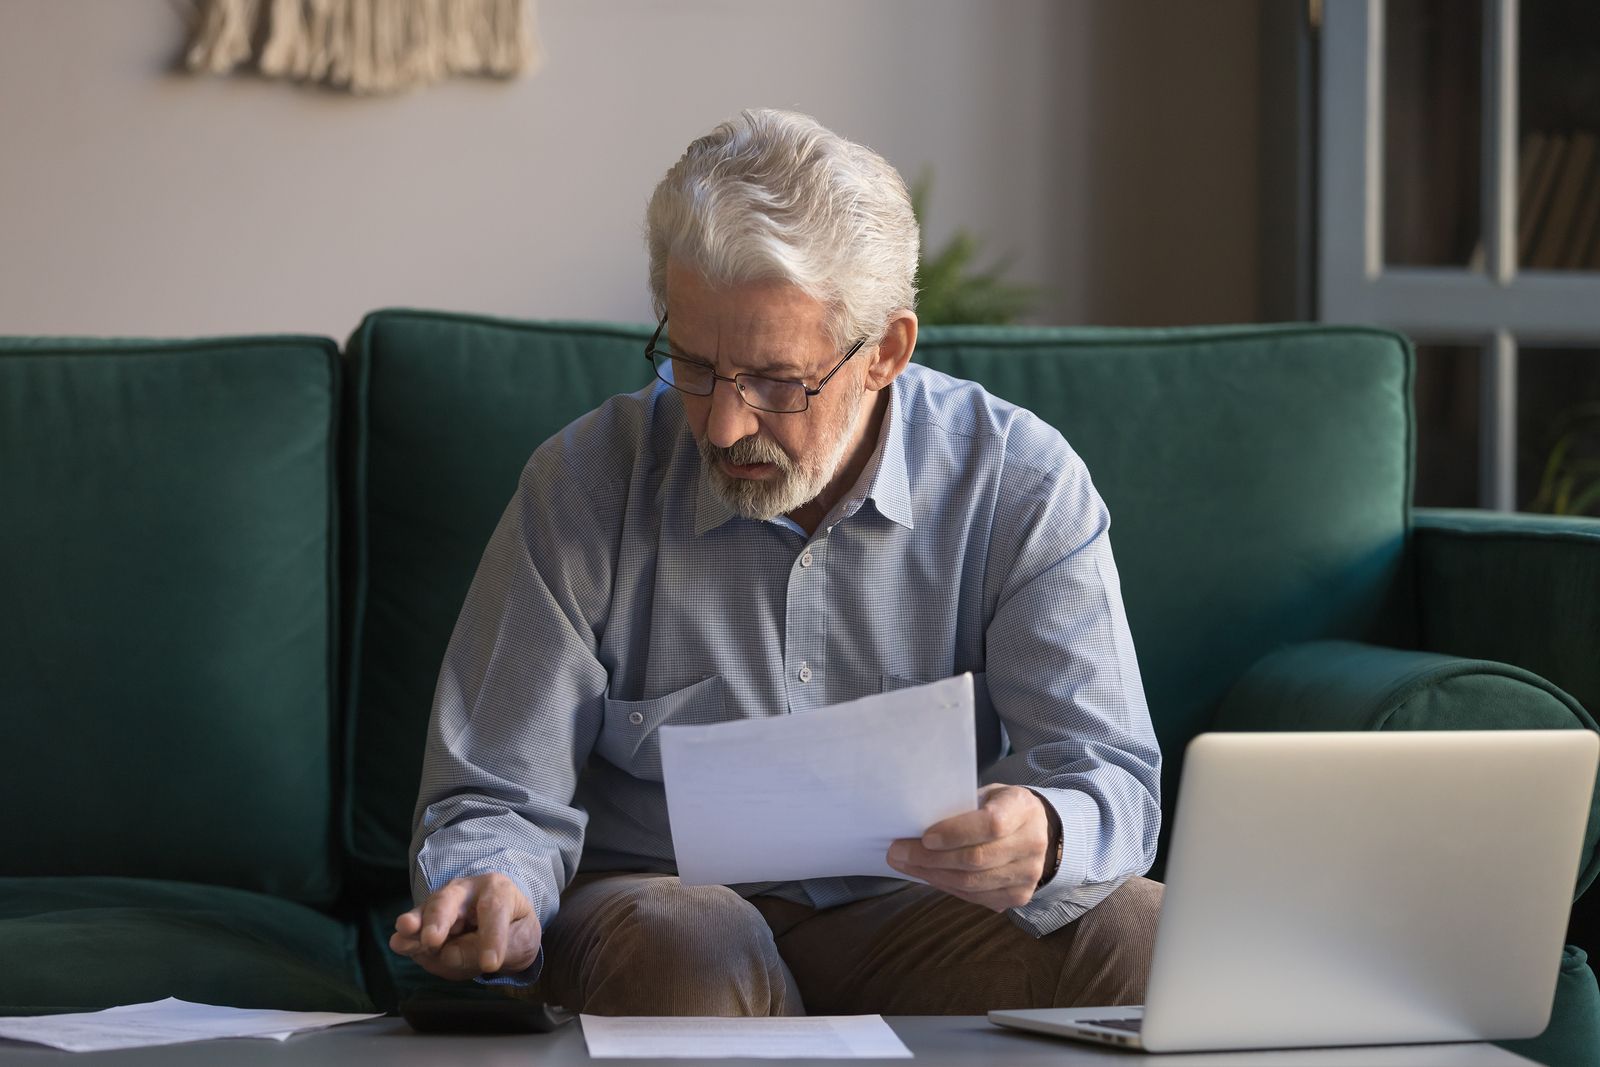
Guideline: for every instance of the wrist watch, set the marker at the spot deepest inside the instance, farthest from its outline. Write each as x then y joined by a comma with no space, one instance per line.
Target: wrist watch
1053,850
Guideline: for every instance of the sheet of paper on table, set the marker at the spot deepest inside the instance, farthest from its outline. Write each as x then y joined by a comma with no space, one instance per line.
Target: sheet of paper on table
833,1037
164,1022
820,793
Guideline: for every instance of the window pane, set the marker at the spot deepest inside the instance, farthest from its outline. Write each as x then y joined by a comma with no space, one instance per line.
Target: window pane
1558,181
1433,79
1447,426
1558,430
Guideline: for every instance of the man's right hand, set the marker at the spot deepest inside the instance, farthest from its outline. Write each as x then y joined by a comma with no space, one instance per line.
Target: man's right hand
470,926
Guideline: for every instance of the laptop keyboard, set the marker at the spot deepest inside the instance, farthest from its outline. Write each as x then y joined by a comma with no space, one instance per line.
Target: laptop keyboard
1130,1025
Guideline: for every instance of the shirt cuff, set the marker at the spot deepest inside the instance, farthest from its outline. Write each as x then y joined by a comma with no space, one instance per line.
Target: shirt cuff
1080,817
521,979
1067,894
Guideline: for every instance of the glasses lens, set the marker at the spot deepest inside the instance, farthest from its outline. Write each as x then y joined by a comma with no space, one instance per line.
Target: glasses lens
685,374
770,394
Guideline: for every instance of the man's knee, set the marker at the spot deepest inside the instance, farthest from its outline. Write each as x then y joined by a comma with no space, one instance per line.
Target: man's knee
688,928
1133,908
1112,947
659,947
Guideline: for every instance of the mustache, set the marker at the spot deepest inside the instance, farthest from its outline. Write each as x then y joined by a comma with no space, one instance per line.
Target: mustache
745,451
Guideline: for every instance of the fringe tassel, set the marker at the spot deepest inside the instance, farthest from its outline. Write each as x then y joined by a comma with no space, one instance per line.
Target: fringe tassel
365,46
221,39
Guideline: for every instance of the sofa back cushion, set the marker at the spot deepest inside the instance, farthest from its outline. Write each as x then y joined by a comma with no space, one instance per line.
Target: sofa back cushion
448,409
1257,479
166,649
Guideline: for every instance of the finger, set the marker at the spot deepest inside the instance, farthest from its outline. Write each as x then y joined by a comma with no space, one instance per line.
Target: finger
984,857
984,881
1002,813
442,911
985,792
1009,886
404,945
462,954
494,923
409,922
457,960
1023,847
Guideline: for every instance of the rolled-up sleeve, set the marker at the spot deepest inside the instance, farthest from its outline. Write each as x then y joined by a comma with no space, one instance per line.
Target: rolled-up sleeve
1064,680
519,701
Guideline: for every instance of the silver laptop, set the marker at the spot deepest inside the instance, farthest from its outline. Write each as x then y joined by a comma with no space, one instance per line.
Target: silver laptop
1359,889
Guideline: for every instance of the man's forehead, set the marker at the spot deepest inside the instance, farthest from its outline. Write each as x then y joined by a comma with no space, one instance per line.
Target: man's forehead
776,325
773,351
771,329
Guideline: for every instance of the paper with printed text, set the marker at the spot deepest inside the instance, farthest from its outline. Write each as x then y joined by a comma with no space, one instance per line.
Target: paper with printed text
164,1022
821,793
806,1037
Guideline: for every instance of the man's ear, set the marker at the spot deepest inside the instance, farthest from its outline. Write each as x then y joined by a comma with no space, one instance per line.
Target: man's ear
890,355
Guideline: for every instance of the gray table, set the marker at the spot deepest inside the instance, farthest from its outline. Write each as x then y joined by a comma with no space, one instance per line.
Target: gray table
952,1040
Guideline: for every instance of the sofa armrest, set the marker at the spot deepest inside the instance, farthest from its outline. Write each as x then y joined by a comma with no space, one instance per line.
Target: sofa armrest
1344,685
1522,589
1573,1035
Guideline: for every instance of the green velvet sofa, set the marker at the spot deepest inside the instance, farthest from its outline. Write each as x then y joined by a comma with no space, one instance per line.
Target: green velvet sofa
229,568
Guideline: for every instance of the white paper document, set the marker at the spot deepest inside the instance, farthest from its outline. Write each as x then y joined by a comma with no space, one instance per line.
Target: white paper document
820,793
832,1037
164,1022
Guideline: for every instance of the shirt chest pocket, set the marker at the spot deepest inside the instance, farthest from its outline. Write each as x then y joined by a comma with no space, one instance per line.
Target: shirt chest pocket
629,738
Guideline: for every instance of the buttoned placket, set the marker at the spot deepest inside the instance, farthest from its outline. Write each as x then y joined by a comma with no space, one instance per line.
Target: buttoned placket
806,627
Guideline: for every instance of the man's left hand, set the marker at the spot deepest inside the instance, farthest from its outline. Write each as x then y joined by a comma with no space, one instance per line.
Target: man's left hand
993,856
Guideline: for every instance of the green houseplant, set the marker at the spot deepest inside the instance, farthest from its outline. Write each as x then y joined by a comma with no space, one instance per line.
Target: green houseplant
951,289
1570,484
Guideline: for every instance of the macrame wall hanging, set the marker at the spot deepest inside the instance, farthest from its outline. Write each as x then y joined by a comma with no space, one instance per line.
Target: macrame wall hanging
364,46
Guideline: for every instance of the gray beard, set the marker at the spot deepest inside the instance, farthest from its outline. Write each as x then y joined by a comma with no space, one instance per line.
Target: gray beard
797,484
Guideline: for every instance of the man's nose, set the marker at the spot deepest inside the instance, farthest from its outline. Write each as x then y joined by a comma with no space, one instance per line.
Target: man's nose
731,419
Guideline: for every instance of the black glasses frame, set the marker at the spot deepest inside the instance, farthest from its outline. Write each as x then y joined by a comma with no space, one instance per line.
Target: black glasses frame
650,354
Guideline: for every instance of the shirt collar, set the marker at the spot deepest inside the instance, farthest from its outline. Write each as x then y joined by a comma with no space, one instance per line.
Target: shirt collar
890,488
709,509
886,477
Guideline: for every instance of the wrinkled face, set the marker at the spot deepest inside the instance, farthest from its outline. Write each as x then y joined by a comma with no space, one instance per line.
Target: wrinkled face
764,464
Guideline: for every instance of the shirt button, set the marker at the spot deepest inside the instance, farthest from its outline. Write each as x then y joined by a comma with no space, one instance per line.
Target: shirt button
805,672
636,717
805,560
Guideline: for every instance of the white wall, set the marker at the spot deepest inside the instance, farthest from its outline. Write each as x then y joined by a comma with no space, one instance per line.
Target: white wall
1109,145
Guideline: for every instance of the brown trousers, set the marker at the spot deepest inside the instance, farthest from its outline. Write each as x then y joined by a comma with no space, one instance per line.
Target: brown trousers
644,944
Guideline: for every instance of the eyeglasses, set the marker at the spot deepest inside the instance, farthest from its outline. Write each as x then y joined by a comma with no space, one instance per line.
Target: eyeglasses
691,376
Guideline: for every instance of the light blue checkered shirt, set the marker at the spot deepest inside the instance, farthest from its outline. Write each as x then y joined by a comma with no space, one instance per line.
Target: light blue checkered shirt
619,593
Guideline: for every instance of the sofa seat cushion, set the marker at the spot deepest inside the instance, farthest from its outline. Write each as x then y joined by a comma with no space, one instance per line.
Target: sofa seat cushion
86,943
1346,685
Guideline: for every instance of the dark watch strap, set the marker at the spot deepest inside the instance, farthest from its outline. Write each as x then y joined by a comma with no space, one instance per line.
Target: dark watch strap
1052,855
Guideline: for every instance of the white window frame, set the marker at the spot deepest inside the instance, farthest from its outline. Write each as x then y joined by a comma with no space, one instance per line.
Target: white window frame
1499,307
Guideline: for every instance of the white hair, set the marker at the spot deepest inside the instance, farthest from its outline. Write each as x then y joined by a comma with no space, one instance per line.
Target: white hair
776,195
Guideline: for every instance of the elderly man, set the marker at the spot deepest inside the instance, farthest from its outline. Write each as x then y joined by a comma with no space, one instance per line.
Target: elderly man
794,515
